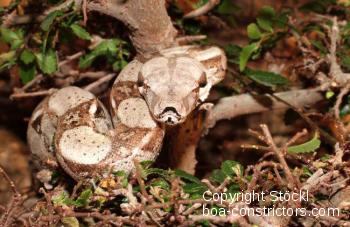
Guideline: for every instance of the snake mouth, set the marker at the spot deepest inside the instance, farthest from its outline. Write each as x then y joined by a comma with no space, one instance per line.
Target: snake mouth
170,116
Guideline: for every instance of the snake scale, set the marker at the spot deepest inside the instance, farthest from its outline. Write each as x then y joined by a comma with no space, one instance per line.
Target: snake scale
72,129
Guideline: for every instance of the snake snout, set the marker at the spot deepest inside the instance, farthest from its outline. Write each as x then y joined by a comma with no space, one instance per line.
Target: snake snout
170,109
170,116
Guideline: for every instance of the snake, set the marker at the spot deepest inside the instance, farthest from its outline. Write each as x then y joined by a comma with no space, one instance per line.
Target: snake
73,130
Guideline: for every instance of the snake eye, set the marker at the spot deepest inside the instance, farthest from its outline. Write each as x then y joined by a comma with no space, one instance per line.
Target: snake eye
203,80
140,80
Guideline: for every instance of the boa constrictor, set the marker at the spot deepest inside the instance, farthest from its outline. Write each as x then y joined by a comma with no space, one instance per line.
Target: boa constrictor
72,127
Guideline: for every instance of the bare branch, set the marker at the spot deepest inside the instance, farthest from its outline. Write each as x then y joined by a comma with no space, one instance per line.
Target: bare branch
10,182
150,28
279,153
340,97
230,107
91,87
32,94
202,10
190,38
336,72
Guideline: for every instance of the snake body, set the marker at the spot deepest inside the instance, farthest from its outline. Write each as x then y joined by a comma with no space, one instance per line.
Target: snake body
73,129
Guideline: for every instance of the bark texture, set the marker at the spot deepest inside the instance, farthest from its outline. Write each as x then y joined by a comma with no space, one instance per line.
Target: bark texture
150,26
237,105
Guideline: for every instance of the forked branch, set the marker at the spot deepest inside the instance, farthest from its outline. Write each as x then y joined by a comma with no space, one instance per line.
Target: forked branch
150,26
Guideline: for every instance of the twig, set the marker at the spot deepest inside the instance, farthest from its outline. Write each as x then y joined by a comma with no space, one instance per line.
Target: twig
84,8
190,38
97,215
315,182
16,199
296,137
32,82
257,135
280,157
337,160
230,107
32,94
202,10
192,209
62,6
339,100
257,171
9,181
75,189
233,218
71,58
50,208
99,82
139,178
333,220
336,72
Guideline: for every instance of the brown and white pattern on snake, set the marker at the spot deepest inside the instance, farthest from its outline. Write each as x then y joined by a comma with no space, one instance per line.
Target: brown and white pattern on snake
74,126
129,108
42,126
213,59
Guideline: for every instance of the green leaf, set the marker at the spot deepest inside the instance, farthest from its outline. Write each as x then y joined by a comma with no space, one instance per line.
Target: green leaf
317,6
325,157
233,189
27,73
199,3
161,183
269,79
319,46
265,24
217,176
345,110
266,17
345,62
47,61
329,94
267,12
7,57
123,177
182,174
157,171
86,60
253,31
119,65
307,171
191,27
245,54
232,50
49,19
231,168
109,46
27,57
195,189
83,199
80,32
62,199
308,147
13,37
70,221
227,7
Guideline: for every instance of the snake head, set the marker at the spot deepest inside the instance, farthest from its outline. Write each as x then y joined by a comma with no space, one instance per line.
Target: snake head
171,86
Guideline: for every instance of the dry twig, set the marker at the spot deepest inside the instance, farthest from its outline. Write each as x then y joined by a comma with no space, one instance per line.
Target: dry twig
202,10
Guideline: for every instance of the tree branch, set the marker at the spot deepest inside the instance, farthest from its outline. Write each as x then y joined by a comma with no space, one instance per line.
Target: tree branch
335,70
202,10
150,28
230,107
